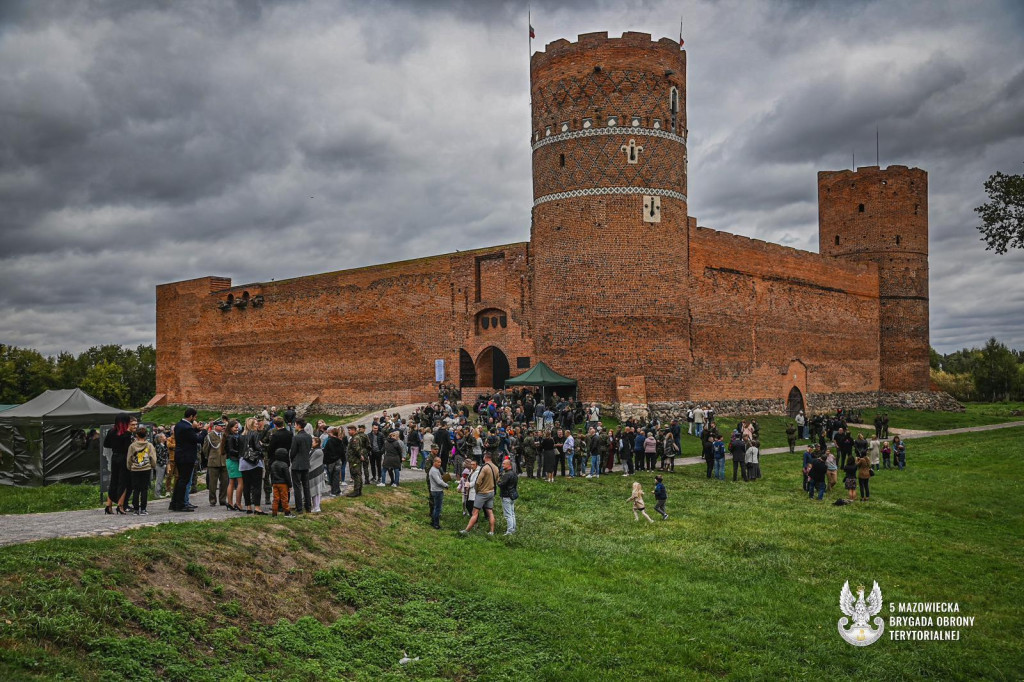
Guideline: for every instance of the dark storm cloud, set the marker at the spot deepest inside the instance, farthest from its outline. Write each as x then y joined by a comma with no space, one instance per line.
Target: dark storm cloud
149,142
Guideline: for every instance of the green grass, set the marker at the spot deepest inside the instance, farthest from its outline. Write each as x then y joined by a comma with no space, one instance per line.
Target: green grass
741,583
977,414
59,497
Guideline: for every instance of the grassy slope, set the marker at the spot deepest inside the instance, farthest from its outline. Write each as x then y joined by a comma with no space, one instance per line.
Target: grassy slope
742,582
59,497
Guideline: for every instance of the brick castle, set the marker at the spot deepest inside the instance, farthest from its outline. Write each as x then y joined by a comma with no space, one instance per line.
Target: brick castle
618,286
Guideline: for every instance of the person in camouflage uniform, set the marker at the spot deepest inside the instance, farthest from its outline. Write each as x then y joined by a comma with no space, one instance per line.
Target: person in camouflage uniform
358,453
582,454
530,445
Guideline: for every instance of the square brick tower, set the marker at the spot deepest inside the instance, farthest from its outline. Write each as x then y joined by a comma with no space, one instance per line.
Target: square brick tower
609,237
881,216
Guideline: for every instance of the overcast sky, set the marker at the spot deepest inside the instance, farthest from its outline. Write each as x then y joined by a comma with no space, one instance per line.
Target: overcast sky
143,143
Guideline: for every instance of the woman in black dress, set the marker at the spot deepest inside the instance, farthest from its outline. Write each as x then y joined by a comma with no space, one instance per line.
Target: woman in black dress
118,440
547,449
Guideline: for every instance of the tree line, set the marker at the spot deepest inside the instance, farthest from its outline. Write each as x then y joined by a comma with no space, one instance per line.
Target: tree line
116,375
126,377
992,373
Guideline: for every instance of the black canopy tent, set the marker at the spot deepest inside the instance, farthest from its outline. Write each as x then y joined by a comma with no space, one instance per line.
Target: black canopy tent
543,376
43,441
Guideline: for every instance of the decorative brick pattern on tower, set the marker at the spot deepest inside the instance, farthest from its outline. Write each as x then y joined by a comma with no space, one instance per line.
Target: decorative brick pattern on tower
609,285
881,216
618,286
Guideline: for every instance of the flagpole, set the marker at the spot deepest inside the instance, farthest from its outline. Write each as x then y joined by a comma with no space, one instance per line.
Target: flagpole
529,31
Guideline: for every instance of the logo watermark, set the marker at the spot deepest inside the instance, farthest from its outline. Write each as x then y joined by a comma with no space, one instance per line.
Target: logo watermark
907,621
860,610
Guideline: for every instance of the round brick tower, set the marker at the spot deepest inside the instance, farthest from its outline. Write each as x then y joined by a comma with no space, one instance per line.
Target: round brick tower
609,236
881,216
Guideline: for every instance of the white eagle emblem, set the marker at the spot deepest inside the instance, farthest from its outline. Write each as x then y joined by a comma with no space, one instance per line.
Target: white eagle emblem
860,610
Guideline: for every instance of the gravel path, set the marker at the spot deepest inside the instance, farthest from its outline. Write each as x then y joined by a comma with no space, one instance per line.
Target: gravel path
19,528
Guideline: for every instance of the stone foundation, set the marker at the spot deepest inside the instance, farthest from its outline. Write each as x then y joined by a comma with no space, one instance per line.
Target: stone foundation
936,401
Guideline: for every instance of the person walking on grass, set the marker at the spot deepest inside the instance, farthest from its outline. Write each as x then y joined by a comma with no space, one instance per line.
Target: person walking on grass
718,447
509,486
886,455
831,470
466,483
850,478
864,474
637,498
548,456
899,452
791,437
809,457
752,460
140,461
661,495
437,487
874,452
486,483
817,473
739,453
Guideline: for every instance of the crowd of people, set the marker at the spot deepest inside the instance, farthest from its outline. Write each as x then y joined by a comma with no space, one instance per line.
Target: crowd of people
858,458
479,447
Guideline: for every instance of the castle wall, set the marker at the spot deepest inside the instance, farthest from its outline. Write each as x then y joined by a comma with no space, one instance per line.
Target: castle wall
617,287
368,336
766,318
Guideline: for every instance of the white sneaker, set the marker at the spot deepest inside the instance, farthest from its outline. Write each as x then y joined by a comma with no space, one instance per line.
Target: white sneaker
380,485
491,533
625,474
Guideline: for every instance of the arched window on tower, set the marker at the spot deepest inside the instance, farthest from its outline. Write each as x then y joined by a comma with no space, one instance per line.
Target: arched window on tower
837,240
673,107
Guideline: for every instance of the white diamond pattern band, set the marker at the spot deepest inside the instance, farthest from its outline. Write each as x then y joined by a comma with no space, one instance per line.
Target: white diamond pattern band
615,130
595,191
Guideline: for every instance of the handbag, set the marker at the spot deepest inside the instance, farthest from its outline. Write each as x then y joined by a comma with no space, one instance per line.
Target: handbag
871,472
251,453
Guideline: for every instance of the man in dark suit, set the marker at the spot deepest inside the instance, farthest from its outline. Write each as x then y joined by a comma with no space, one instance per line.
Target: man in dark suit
302,445
187,438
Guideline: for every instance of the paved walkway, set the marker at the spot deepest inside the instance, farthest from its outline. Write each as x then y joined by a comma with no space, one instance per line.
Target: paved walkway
19,528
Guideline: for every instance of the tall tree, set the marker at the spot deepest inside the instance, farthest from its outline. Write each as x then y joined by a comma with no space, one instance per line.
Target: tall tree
105,382
996,374
1002,217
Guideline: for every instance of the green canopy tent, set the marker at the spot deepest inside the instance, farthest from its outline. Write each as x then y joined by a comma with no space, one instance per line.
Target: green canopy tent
543,376
43,441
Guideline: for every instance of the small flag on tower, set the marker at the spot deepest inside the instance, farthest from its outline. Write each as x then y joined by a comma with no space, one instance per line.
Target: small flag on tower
680,33
532,33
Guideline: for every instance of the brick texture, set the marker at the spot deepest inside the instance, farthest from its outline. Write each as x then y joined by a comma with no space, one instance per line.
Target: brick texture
881,216
639,310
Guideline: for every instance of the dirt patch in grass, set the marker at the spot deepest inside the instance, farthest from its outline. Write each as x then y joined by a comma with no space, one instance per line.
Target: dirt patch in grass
253,575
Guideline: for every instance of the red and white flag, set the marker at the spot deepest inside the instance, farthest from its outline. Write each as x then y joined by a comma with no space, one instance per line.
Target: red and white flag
533,34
